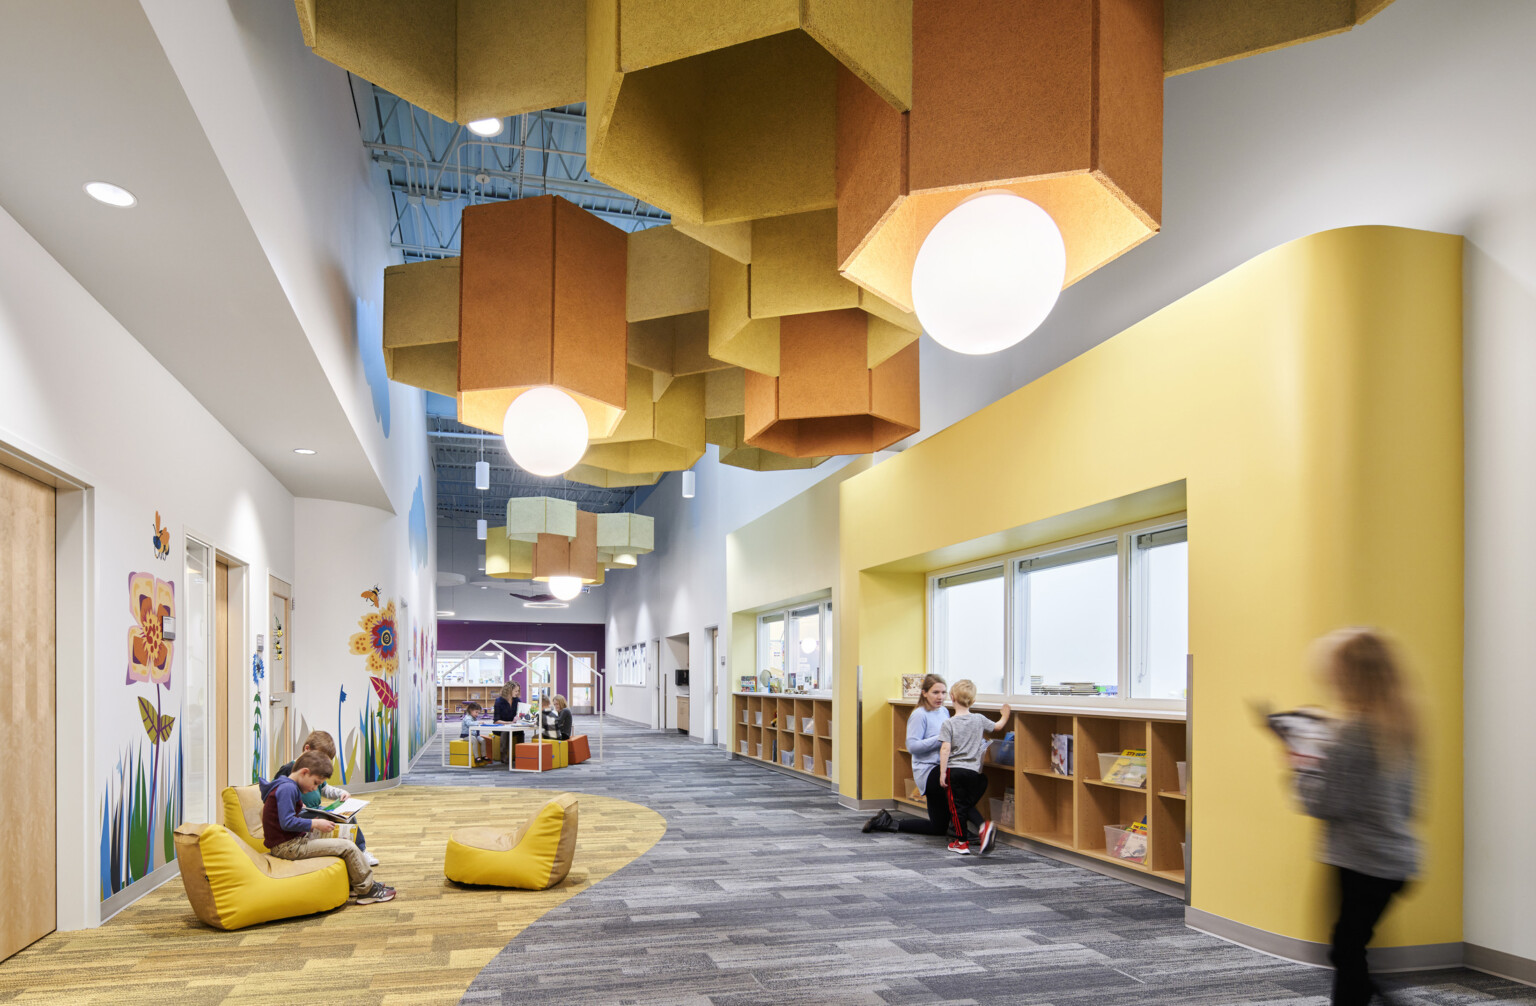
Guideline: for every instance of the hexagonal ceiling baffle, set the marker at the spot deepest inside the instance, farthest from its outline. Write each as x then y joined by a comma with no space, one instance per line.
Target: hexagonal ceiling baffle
1059,103
661,436
793,270
556,555
507,558
724,110
827,399
461,60
603,478
667,308
541,303
421,325
725,406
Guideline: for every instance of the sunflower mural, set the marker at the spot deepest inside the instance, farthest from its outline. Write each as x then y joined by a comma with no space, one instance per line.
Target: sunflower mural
378,723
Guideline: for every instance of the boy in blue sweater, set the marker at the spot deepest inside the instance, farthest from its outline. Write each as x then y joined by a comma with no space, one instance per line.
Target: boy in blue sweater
289,836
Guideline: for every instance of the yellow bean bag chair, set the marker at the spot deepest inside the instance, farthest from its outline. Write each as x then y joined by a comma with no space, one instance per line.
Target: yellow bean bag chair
231,886
242,815
534,857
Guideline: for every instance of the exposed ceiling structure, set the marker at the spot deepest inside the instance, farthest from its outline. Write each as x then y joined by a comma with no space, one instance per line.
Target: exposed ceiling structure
432,169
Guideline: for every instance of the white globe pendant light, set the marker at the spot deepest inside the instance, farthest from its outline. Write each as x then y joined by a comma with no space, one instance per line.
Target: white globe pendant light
546,431
565,587
988,273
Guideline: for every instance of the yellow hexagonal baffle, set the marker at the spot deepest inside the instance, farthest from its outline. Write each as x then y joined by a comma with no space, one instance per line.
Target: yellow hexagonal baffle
507,558
723,110
621,537
827,399
461,60
655,436
1061,104
793,271
668,306
603,478
421,325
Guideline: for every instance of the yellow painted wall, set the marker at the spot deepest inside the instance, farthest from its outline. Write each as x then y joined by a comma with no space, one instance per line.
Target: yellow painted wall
1310,402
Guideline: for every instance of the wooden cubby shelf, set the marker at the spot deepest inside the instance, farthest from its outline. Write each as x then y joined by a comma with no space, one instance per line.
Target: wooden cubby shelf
1070,811
767,727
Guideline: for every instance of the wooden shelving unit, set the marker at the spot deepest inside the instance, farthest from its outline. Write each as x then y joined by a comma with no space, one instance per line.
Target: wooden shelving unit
769,727
1070,812
453,697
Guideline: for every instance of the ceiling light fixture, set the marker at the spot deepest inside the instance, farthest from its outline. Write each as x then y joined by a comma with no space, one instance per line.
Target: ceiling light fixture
487,127
112,195
303,450
480,529
545,604
445,614
546,431
689,484
988,273
565,587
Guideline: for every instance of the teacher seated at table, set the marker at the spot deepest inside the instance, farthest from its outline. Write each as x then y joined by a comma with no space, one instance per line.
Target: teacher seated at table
506,712
557,721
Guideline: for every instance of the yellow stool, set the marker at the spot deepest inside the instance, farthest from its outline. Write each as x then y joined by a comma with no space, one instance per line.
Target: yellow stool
534,857
231,886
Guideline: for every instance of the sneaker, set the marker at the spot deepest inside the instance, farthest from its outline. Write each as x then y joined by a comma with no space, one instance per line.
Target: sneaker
988,838
377,893
880,822
372,859
960,848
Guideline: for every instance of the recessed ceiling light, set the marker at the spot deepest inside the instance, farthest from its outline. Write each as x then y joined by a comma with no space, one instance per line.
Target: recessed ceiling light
545,604
302,450
112,195
445,614
486,127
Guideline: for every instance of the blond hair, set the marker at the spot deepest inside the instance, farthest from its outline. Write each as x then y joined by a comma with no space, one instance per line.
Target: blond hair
322,741
559,702
1364,669
508,688
963,692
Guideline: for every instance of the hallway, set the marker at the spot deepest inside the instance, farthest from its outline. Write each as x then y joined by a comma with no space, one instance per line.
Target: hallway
764,890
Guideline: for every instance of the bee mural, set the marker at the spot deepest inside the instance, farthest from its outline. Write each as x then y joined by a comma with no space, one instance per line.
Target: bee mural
371,595
162,539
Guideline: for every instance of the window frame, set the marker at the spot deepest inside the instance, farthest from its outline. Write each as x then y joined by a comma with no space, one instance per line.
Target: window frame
825,627
1128,599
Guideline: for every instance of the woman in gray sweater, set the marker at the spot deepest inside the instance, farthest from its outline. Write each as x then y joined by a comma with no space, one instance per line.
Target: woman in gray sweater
1364,793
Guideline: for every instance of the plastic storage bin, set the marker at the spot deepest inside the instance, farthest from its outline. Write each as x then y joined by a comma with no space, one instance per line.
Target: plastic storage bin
1183,776
1001,816
806,723
809,762
759,750
743,747
1123,844
759,716
1136,777
787,758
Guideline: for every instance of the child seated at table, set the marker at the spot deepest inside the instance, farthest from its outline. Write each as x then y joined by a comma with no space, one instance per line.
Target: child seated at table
479,744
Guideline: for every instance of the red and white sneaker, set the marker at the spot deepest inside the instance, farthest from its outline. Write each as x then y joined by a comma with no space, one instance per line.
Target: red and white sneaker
988,838
960,847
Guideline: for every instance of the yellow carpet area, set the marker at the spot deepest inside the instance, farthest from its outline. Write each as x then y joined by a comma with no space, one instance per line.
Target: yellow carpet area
424,947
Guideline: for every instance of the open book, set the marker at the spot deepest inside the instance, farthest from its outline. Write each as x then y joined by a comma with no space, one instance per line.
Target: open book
337,810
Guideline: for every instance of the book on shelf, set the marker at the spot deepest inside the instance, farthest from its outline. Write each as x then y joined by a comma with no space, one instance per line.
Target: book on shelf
749,682
1132,841
1130,769
1061,754
911,686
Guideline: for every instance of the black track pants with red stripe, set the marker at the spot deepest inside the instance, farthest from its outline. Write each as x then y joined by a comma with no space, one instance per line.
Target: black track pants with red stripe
966,789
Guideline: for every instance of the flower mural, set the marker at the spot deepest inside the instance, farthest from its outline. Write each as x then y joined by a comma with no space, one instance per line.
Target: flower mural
258,673
378,641
378,729
150,600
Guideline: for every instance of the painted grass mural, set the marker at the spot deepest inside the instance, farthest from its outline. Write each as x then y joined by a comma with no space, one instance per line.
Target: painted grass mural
377,725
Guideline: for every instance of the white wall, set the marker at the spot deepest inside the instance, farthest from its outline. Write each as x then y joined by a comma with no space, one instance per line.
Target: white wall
79,394
1420,118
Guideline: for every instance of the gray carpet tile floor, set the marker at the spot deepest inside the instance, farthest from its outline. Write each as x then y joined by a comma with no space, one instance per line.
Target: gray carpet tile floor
765,890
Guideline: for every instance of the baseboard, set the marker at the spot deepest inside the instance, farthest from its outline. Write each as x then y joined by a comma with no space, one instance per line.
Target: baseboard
1421,957
136,890
1155,884
786,772
862,805
1497,962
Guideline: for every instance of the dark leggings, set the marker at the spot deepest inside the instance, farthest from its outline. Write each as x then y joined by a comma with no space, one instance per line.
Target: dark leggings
1362,899
938,810
966,790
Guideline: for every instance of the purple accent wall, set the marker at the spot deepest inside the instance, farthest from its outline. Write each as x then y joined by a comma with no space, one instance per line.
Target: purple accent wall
578,637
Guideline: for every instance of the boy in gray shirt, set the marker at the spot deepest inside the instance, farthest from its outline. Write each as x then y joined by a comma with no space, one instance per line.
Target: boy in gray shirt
961,747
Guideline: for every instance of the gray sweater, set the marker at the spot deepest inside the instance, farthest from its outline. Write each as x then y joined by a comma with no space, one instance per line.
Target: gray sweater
1365,807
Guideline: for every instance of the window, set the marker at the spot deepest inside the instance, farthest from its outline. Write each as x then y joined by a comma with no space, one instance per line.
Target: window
968,628
469,668
541,674
1102,619
631,665
794,647
1160,613
1067,622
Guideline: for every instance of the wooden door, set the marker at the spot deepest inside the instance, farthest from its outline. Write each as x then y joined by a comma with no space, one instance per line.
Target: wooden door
582,682
280,676
28,817
221,678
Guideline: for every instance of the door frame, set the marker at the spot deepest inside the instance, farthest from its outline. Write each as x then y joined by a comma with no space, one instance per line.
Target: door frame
77,826
716,672
280,744
591,686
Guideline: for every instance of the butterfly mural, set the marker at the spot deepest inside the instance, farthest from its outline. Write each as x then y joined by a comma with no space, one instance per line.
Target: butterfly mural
371,595
162,539
158,726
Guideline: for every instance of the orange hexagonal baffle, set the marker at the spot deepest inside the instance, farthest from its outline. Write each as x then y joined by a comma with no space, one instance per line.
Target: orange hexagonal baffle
541,302
827,399
557,555
1058,101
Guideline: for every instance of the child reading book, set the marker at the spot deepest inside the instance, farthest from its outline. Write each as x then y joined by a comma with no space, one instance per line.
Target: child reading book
961,747
322,741
289,836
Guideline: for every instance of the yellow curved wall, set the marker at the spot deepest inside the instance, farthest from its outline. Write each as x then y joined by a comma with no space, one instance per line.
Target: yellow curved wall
1310,402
